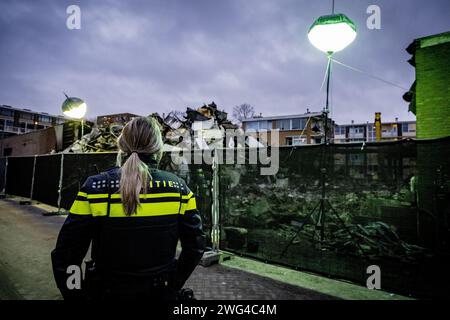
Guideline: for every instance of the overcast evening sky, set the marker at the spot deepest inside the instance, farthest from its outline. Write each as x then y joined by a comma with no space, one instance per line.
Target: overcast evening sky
156,56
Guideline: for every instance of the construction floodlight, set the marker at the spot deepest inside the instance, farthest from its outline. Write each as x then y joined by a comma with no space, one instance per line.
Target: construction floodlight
332,33
74,107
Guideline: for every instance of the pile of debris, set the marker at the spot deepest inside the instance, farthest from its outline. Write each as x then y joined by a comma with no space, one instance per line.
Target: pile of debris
376,239
98,140
202,128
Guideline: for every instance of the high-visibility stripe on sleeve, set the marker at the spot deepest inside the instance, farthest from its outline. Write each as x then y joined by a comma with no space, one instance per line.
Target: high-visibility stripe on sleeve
187,196
81,205
187,205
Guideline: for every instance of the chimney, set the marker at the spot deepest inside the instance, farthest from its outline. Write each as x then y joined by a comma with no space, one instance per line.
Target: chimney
353,121
307,110
396,119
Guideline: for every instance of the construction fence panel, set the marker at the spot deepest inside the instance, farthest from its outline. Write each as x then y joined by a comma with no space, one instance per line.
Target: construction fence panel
19,176
3,162
46,179
373,212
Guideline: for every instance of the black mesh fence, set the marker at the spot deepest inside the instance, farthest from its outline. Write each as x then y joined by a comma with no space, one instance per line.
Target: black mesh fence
385,204
19,175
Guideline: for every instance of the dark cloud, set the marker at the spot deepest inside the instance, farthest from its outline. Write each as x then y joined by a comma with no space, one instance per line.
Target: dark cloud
147,56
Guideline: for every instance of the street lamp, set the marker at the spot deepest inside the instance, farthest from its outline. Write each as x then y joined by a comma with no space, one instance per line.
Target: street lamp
74,108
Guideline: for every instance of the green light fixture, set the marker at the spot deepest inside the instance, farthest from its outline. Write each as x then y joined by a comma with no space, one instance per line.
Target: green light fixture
74,107
332,33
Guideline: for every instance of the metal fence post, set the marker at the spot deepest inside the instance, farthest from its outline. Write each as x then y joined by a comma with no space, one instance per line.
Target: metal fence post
6,171
32,178
215,230
61,174
213,256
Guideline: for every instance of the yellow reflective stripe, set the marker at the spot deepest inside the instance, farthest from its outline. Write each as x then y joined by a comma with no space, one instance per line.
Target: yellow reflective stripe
99,209
80,207
97,196
146,209
190,205
149,195
82,194
187,196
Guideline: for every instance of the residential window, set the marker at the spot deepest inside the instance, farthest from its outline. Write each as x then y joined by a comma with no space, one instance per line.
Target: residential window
299,124
265,125
284,124
405,127
6,112
357,130
289,141
298,140
339,130
252,125
27,116
45,119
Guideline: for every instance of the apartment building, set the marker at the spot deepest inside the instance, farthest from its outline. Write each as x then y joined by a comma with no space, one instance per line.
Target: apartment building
299,129
359,132
14,121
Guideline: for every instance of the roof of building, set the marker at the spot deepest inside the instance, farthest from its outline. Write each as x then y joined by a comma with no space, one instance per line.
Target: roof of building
294,116
371,123
31,111
429,41
119,114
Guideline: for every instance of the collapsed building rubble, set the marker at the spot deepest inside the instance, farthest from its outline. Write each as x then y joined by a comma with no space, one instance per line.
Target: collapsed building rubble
203,128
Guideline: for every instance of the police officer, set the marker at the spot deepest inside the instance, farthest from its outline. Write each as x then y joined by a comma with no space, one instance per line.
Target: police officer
134,215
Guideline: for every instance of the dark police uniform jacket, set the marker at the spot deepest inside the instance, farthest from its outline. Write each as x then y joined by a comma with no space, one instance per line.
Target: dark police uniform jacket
130,247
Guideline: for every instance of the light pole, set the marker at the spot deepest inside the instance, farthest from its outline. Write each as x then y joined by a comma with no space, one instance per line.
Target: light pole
330,34
74,108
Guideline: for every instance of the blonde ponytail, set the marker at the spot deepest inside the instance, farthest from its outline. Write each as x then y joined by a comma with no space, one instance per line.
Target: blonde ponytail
140,136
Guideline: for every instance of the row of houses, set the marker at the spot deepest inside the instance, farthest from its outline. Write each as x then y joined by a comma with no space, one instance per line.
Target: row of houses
293,130
308,128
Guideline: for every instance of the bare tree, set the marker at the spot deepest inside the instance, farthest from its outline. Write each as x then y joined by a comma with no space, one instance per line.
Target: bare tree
244,111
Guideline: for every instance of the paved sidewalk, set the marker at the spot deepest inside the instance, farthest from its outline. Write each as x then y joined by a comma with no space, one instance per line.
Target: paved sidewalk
27,237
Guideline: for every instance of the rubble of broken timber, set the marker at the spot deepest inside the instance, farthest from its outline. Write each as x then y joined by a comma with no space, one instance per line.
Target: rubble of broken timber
176,128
